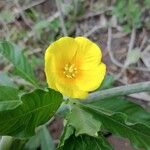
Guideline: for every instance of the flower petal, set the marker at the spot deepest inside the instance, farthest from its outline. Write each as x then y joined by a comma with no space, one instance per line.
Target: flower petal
90,80
63,49
57,55
88,53
50,70
71,90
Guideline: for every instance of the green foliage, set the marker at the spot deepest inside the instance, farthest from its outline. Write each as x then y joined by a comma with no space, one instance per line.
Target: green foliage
85,142
21,115
8,93
85,123
117,115
8,101
5,80
124,118
20,62
68,131
128,13
42,140
33,143
36,109
46,141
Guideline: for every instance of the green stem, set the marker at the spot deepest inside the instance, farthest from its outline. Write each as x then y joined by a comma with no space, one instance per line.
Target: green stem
119,91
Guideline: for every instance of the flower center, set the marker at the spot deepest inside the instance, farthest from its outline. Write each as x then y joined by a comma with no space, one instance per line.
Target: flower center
70,71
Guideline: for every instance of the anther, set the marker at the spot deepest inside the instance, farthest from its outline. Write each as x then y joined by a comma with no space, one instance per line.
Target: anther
70,71
75,68
73,75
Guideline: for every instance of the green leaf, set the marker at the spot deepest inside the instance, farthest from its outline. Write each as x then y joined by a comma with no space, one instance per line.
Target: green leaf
8,93
36,109
125,119
5,80
83,122
33,143
85,142
9,98
46,140
128,13
68,131
42,140
20,62
9,105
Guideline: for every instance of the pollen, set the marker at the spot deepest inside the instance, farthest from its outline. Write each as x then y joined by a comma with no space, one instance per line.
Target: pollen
70,71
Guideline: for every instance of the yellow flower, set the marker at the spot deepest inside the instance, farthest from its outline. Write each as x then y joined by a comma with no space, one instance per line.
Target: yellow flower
73,66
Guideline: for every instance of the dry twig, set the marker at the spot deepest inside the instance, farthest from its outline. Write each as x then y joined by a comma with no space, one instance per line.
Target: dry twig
22,14
131,45
116,62
90,15
93,30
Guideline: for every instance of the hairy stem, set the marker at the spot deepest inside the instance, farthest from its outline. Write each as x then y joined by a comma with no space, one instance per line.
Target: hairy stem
119,91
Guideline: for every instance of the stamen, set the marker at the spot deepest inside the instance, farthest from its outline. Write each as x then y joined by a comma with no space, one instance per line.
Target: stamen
73,75
66,68
70,71
75,68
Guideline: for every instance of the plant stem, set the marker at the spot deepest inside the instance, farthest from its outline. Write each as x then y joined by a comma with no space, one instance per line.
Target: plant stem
119,91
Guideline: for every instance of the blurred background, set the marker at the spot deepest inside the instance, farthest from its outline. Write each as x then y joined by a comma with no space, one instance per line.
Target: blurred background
120,27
